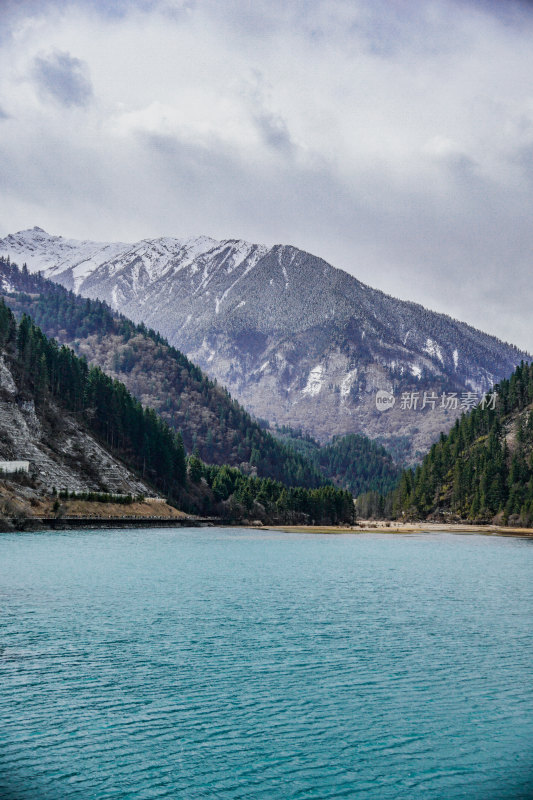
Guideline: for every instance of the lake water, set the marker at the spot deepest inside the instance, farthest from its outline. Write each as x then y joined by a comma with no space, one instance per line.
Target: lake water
224,663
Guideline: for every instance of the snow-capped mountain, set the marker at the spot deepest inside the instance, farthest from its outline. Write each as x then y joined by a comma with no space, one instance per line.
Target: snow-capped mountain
55,255
296,340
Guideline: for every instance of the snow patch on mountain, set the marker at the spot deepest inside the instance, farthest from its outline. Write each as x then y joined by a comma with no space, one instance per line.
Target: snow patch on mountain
432,349
315,381
5,285
347,383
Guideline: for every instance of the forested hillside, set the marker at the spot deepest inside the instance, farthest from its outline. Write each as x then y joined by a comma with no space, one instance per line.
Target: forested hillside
353,461
45,373
236,495
359,464
161,377
483,469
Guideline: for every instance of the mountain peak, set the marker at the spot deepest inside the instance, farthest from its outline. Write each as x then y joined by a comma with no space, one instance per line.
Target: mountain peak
296,340
30,232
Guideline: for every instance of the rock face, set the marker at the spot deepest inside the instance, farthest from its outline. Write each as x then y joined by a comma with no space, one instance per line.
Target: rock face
294,339
61,454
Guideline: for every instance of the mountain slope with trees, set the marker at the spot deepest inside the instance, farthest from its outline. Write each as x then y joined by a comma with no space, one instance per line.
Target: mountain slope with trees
209,421
39,372
43,372
353,461
483,469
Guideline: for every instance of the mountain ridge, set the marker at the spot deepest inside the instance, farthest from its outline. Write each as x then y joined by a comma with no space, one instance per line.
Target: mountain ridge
49,261
297,341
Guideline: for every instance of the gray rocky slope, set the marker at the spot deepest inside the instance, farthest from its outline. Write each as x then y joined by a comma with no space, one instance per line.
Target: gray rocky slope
294,339
61,453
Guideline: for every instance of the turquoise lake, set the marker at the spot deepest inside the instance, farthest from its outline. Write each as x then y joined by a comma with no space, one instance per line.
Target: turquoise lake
226,663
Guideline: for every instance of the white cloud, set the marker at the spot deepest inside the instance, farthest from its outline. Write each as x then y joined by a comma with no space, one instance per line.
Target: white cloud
393,139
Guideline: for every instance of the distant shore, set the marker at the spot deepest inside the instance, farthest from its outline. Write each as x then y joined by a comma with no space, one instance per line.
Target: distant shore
152,515
367,526
75,513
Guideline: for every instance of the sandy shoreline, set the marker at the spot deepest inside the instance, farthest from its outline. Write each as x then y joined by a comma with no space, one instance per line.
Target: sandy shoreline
403,527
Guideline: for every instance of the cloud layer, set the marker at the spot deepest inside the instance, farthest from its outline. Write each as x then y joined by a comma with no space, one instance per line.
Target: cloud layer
394,139
63,78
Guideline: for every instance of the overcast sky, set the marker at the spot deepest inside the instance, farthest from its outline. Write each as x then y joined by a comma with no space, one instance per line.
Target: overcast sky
394,138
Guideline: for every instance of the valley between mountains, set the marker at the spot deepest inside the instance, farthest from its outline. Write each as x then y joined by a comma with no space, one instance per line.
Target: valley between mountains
104,406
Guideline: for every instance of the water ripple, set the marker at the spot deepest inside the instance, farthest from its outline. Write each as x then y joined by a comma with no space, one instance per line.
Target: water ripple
221,664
